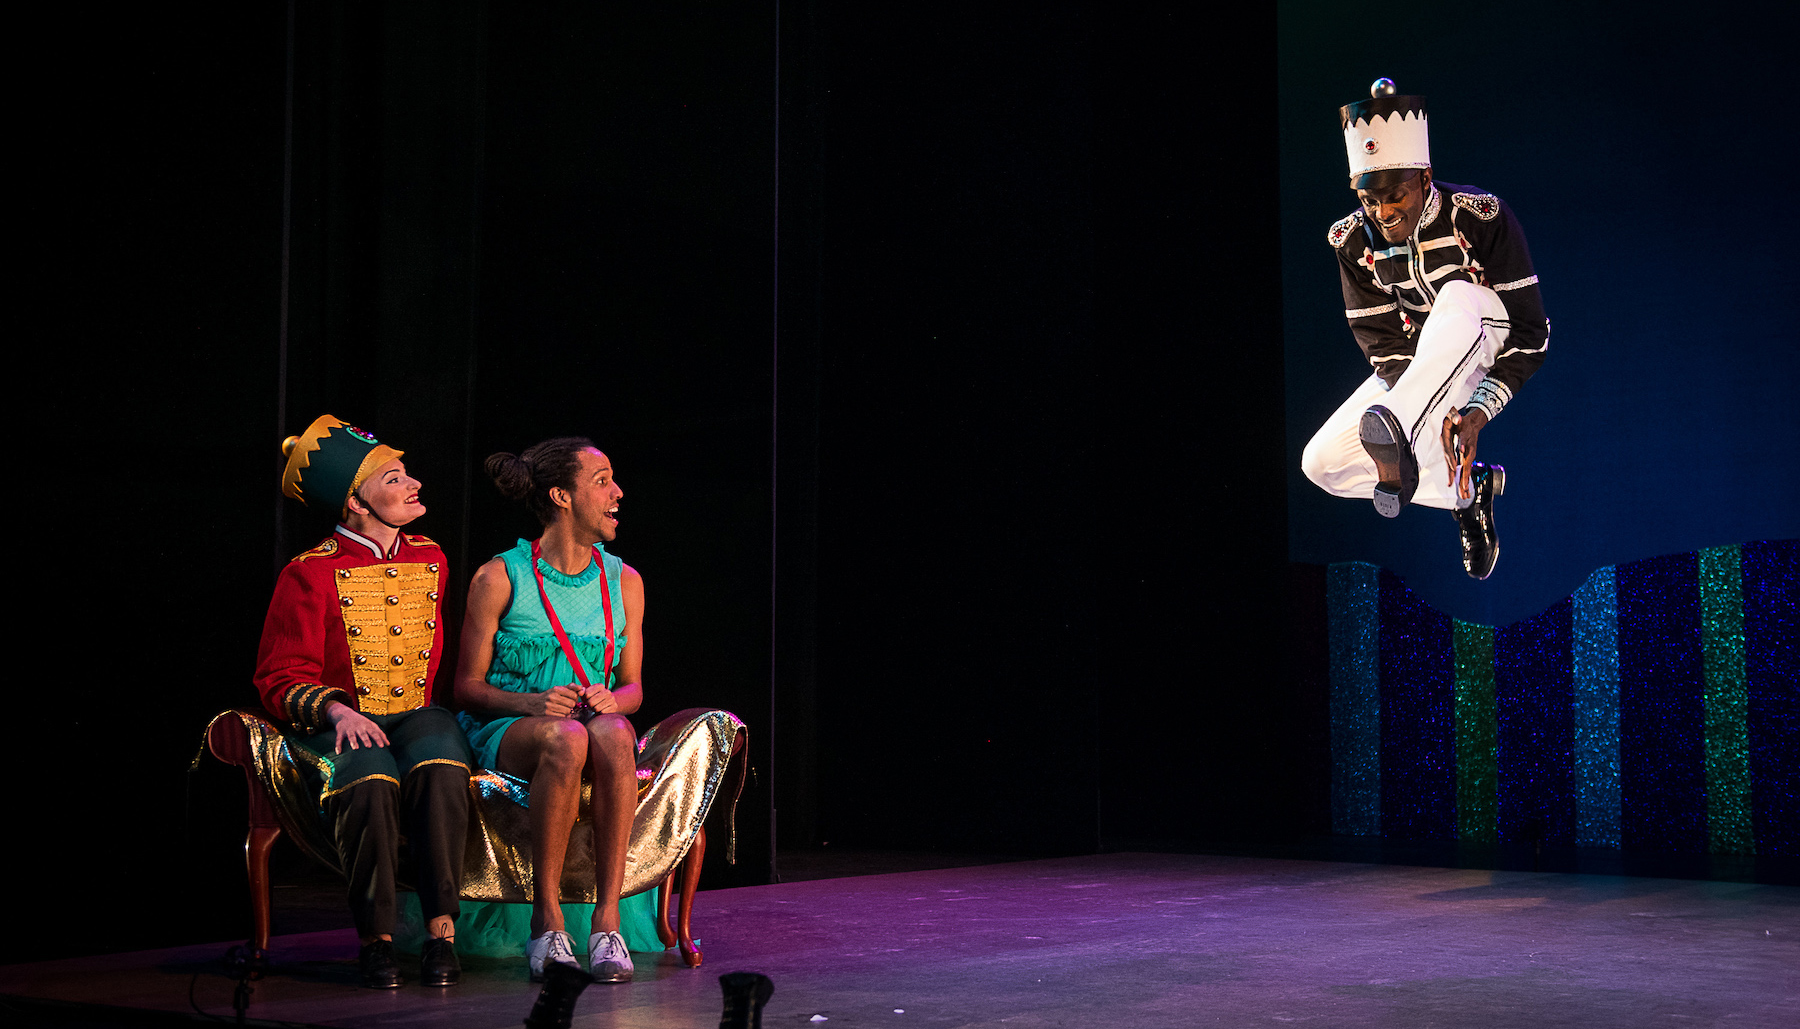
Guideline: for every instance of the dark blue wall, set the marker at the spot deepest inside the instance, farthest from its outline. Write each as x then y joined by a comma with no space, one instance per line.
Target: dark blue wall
1647,153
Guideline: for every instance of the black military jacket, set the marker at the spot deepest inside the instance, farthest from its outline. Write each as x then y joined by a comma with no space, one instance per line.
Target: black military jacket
1463,234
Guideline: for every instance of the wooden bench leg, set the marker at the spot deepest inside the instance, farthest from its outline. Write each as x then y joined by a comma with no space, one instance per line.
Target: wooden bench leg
664,931
256,862
690,882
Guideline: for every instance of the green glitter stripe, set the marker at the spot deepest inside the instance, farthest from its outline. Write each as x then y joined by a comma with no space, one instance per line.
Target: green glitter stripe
1728,823
1477,766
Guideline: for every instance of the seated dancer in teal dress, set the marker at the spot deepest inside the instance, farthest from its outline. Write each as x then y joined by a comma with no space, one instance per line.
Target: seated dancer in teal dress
534,713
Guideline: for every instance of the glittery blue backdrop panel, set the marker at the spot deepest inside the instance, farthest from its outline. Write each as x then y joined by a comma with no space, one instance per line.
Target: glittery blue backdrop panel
1418,728
1771,575
1594,662
1353,613
1533,701
1662,727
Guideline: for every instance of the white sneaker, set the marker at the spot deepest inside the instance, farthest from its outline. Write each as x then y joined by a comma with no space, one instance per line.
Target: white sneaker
554,946
609,960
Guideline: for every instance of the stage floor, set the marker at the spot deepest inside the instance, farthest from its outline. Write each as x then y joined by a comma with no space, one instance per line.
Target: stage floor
1113,940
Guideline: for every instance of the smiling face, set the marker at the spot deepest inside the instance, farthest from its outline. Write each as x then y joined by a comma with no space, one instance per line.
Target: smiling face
390,495
1395,209
593,502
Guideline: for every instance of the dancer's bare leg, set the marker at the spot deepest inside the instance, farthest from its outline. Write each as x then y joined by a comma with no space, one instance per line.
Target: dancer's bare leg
550,753
612,764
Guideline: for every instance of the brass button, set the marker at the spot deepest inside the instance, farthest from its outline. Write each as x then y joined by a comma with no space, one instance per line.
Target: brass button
430,623
419,682
393,600
432,596
433,566
398,660
362,691
356,630
347,601
395,630
362,659
393,573
343,573
426,653
399,691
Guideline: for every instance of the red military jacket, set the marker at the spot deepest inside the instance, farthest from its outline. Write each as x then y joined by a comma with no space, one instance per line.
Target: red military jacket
348,625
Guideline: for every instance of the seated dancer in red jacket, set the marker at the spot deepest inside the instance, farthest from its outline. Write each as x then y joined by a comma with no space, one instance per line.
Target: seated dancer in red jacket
552,652
349,650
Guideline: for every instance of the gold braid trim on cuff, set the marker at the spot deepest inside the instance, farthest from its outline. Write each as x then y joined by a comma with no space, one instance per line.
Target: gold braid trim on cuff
316,715
306,701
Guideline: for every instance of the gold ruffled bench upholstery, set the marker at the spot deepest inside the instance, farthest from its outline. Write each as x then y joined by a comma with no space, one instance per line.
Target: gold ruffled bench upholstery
686,764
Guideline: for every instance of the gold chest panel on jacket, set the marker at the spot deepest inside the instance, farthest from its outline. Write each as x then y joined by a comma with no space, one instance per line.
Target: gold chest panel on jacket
390,618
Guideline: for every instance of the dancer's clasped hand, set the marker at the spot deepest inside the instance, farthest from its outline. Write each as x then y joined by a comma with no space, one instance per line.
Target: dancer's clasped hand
600,699
556,702
1461,428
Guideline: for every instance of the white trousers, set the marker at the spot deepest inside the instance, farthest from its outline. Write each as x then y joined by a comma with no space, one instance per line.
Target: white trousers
1456,348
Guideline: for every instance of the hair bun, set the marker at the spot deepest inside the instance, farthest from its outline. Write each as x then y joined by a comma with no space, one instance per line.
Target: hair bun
511,475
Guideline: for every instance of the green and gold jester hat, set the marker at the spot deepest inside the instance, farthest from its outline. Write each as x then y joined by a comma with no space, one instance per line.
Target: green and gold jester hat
329,461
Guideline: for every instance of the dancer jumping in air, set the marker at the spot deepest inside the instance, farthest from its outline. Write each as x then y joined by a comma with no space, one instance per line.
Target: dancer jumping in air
1441,296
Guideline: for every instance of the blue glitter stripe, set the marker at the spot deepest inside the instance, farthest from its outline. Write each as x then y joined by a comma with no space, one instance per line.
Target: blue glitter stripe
1662,761
1418,733
1533,703
1727,747
1771,581
1594,667
1353,616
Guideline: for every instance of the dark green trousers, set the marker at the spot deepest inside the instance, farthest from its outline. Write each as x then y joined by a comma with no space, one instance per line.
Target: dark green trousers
417,787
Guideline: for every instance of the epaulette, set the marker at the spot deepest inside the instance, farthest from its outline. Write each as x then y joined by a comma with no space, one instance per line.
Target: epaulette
420,541
1342,229
1485,206
325,549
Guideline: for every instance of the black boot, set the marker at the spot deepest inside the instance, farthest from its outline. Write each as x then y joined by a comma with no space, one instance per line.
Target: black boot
1480,543
745,995
379,969
1384,440
555,1006
437,963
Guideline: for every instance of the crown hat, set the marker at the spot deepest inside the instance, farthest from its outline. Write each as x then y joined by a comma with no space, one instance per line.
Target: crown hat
327,462
1385,137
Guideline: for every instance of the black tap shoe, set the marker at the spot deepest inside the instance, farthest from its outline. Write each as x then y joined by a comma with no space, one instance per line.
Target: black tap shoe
1480,544
1385,441
437,963
379,969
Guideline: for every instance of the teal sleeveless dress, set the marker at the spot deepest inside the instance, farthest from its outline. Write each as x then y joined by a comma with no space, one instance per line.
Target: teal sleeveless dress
527,656
529,659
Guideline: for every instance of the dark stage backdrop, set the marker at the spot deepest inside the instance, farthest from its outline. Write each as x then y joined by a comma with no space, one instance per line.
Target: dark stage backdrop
1028,521
1051,521
1639,148
503,225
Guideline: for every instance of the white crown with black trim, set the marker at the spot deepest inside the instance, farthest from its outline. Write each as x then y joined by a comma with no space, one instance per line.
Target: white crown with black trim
1385,132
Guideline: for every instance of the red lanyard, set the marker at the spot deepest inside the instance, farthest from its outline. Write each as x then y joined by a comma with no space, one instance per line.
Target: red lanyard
556,623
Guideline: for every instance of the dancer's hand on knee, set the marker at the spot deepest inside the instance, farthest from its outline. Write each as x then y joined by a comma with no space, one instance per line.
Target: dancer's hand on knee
354,728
